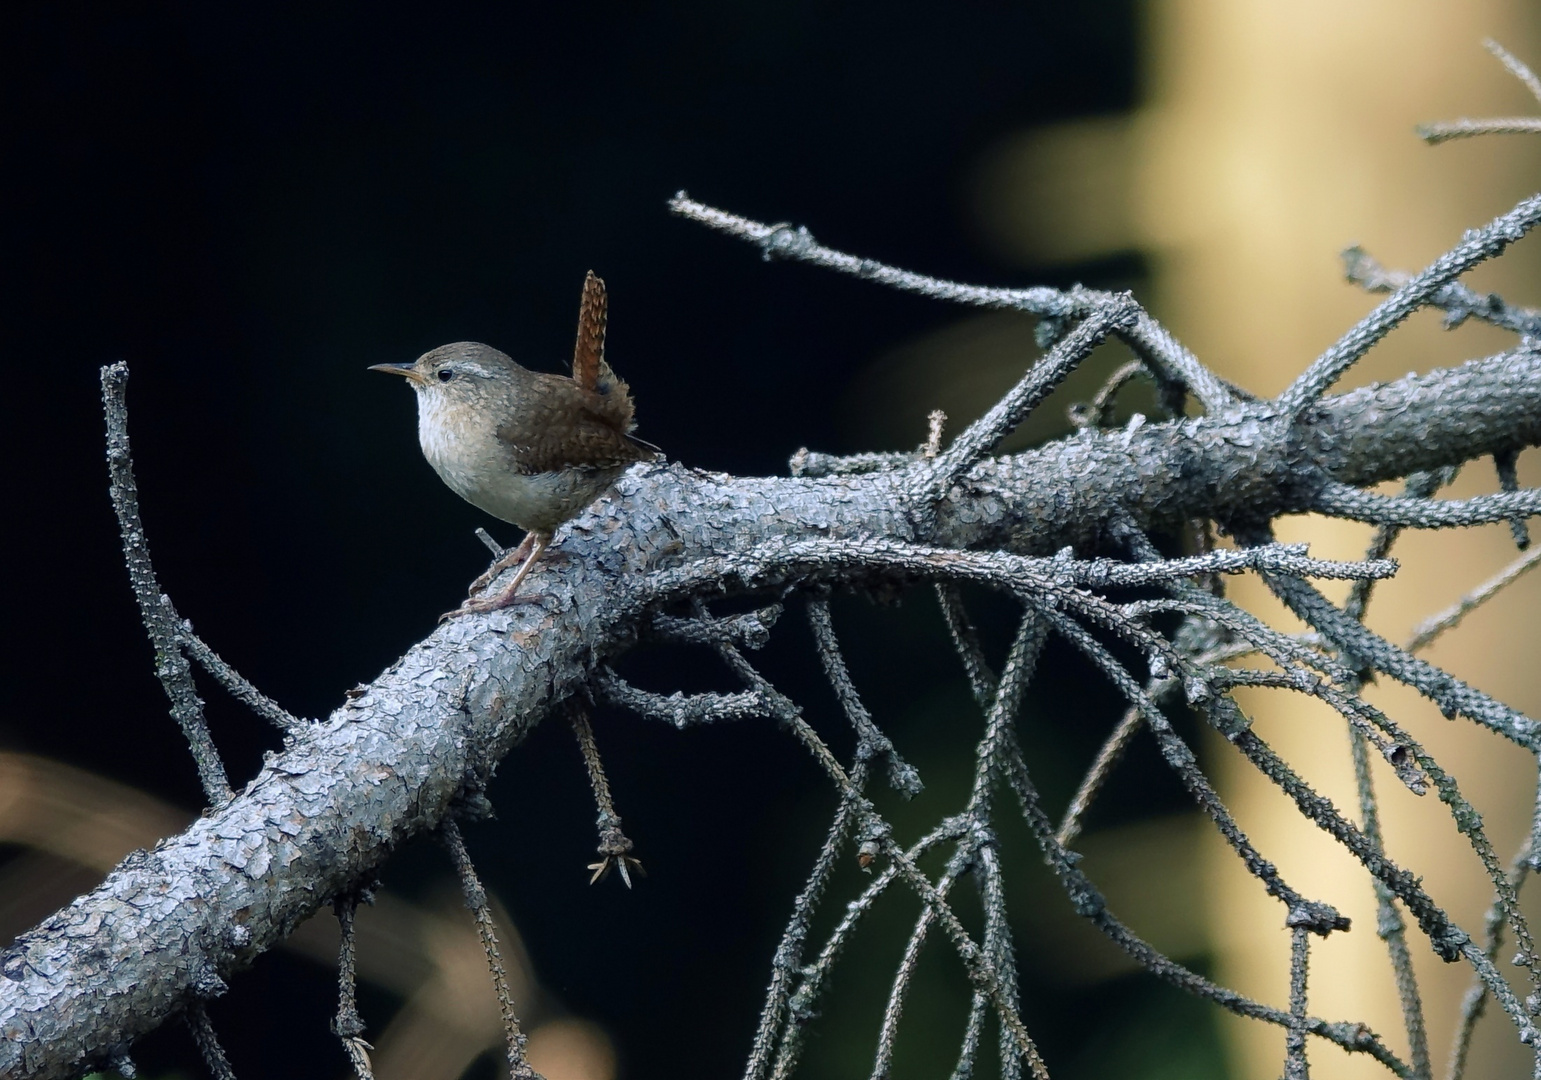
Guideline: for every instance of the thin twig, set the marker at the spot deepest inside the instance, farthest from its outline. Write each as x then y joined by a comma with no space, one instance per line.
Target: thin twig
1295,1067
936,419
1099,411
207,1041
1505,462
678,709
1477,247
1108,756
800,1005
1089,903
985,434
348,1025
1453,696
1418,486
154,607
1389,923
1515,66
1526,861
1459,302
476,899
1426,632
1446,130
1151,341
882,1062
870,740
787,964
614,845
497,549
1457,129
235,683
751,630
1347,501
981,971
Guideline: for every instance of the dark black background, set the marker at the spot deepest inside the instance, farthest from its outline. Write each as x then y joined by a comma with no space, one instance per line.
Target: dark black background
250,204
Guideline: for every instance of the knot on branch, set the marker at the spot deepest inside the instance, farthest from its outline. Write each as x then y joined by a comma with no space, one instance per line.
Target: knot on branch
1317,917
786,241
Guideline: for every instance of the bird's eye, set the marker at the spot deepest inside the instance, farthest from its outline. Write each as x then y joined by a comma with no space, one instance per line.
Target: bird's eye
446,374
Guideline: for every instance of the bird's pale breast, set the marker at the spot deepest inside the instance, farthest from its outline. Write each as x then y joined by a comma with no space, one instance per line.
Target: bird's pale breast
479,467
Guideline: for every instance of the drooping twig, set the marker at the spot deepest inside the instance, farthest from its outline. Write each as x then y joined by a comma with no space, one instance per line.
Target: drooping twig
1516,67
976,963
1389,924
870,741
614,845
780,1012
1464,129
882,1062
1527,861
207,1041
481,910
159,619
1089,903
1295,1036
800,1006
1182,760
1453,696
1418,486
1108,755
348,1025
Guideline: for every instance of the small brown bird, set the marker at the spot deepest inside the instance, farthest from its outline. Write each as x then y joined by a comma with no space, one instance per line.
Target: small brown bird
527,447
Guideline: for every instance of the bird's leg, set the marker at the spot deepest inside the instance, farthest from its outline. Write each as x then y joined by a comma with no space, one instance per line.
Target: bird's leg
510,557
505,596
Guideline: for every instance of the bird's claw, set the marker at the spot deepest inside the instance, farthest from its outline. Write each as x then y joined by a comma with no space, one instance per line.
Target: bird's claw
480,606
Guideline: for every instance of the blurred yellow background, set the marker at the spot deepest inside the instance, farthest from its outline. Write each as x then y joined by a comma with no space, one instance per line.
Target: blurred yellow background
1273,136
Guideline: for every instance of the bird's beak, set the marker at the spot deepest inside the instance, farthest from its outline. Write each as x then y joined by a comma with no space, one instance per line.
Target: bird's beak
409,370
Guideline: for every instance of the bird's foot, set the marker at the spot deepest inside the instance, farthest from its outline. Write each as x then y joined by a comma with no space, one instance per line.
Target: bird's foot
511,557
479,605
531,550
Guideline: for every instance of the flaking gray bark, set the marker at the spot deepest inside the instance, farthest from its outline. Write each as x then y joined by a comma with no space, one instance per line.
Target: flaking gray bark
169,926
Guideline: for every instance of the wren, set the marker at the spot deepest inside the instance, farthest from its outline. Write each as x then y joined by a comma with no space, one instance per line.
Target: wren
527,447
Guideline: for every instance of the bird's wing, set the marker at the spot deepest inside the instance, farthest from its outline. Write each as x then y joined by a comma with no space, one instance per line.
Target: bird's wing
560,425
